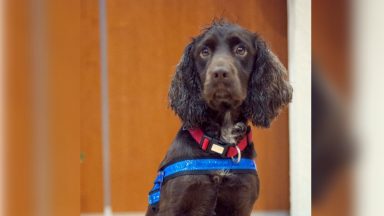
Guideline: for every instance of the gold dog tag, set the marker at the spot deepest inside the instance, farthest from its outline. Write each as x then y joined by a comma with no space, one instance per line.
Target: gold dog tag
218,149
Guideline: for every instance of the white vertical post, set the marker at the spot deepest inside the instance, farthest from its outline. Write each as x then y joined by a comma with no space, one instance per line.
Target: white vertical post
368,105
299,69
105,107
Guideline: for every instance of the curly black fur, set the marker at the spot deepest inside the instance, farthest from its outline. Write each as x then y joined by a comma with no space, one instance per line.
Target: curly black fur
268,89
185,92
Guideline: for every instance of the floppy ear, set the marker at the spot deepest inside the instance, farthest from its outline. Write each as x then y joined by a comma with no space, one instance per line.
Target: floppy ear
268,88
185,92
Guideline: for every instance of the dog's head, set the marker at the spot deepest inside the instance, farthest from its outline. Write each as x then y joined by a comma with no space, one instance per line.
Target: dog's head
228,68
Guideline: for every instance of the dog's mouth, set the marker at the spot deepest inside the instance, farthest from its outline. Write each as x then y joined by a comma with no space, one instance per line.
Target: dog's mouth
222,100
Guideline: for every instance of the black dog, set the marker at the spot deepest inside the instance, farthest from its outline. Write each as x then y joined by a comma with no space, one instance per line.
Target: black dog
227,76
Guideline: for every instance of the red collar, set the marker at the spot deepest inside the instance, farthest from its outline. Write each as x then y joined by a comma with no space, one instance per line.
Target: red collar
214,145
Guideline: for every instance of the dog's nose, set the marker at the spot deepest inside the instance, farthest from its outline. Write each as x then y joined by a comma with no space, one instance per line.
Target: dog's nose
220,73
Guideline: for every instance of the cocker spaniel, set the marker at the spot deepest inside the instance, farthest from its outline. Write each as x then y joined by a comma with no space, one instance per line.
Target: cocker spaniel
227,76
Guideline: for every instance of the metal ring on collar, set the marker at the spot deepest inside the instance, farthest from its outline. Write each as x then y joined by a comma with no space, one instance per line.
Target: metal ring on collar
238,155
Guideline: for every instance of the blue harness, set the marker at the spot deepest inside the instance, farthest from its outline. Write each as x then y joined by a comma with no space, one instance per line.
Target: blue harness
197,167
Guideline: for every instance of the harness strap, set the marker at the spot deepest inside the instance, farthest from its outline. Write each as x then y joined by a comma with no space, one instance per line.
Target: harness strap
217,146
197,167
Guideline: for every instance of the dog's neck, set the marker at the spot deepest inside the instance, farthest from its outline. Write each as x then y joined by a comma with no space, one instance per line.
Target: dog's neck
226,128
229,126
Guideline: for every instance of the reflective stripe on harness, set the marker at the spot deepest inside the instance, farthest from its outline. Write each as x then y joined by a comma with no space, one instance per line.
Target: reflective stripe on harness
195,167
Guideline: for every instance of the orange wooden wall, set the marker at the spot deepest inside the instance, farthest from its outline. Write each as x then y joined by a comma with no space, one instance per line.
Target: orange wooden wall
61,93
145,41
91,196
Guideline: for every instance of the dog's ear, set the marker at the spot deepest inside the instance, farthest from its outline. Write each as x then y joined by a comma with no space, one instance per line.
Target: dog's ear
268,88
185,92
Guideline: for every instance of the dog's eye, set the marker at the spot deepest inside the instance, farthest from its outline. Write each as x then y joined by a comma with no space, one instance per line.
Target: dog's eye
240,50
205,52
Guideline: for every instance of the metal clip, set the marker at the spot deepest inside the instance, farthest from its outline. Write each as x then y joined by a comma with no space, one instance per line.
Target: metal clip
238,155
